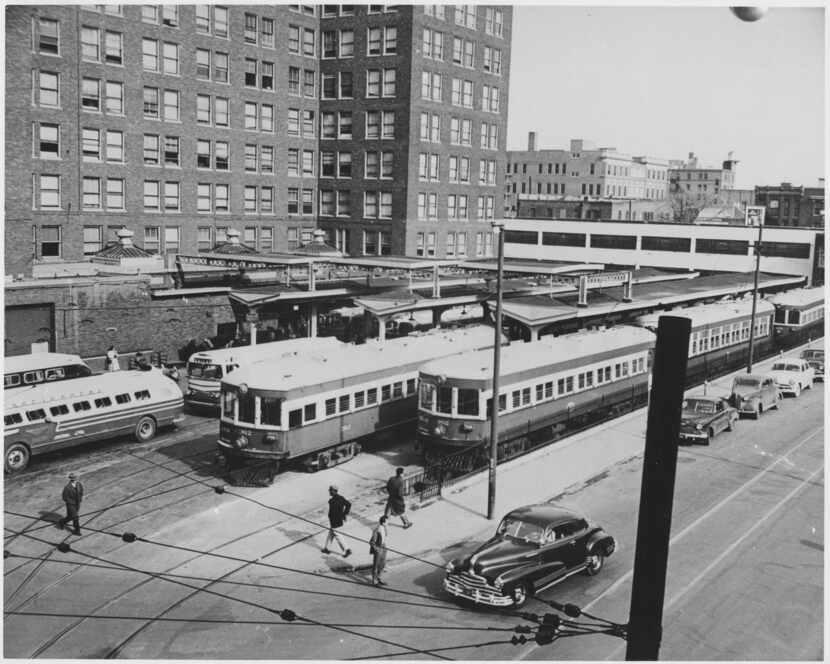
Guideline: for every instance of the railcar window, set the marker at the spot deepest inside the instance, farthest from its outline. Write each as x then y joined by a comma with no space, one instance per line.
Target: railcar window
331,407
549,390
228,400
344,403
795,317
581,381
103,402
540,392
410,386
141,395
295,418
780,315
270,411
427,395
310,412
560,386
246,408
502,404
516,398
569,384
81,405
444,399
467,402
385,392
525,396
625,368
122,398
359,399
372,395
14,418
589,378
397,390
60,409
34,415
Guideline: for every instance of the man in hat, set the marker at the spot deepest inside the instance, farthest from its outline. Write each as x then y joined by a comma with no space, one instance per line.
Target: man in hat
338,510
395,503
73,493
377,547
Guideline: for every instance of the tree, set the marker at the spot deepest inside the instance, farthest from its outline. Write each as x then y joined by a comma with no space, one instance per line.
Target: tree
686,205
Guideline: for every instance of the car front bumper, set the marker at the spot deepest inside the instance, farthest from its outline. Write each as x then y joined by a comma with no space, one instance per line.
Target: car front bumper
693,435
476,589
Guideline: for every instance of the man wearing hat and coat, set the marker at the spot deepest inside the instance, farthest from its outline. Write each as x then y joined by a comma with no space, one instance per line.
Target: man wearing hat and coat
338,510
73,494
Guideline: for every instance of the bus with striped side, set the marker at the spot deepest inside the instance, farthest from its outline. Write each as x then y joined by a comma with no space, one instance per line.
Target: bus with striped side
67,413
35,368
207,368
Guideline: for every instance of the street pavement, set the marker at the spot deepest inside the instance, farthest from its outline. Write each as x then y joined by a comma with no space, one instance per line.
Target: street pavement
280,528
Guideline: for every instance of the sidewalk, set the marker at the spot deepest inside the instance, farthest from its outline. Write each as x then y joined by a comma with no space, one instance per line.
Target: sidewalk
458,516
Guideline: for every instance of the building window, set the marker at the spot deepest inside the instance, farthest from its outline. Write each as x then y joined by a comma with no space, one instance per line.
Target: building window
151,103
202,17
344,203
115,146
221,196
171,196
171,106
151,195
221,155
267,75
113,48
171,150
344,164
115,194
294,80
50,241
266,117
91,193
250,34
151,149
203,200
309,49
171,239
170,16
221,112
152,239
250,72
150,54
170,56
47,140
220,67
250,199
346,43
114,101
90,44
91,94
346,85
344,124
250,158
251,113
48,36
93,240
91,144
266,199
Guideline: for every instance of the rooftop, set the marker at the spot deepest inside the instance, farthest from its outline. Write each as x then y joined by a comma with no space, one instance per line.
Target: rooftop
800,297
704,314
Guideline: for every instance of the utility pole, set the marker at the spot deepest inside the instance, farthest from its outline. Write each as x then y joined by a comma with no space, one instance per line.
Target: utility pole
657,489
754,214
494,414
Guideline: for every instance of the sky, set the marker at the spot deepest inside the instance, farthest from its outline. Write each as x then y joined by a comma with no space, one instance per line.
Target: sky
664,81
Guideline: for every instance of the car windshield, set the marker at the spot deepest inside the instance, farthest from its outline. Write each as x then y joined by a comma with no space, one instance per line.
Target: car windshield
521,530
213,371
813,354
747,382
784,366
699,406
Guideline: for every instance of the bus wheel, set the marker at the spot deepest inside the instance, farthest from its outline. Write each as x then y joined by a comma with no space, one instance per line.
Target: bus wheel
17,458
145,429
323,461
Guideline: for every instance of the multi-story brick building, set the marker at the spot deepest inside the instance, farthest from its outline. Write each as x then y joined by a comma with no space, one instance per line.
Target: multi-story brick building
701,182
181,121
585,172
792,206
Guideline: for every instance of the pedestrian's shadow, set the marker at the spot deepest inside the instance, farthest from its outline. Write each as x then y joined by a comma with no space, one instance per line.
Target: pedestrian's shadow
50,517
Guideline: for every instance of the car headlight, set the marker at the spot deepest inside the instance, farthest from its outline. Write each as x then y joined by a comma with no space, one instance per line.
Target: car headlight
792,382
497,583
450,567
698,427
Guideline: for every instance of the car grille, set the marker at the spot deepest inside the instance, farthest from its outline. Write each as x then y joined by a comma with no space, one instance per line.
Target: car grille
474,587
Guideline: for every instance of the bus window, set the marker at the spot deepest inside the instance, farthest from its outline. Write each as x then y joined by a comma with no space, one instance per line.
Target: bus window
14,418
54,374
103,402
295,418
444,399
34,415
207,371
271,411
247,405
12,380
59,410
122,398
143,394
81,405
32,377
467,402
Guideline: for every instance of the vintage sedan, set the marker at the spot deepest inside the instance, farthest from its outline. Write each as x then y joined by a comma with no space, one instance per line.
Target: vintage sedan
703,417
752,394
815,358
792,375
534,547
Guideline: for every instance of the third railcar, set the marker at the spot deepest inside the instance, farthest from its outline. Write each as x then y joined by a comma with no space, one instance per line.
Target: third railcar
799,316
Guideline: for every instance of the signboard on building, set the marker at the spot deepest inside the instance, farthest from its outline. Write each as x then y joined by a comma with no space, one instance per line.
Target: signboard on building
755,215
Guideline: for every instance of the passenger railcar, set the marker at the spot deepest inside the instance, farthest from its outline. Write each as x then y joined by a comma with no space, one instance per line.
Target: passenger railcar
719,339
799,316
544,385
67,413
318,409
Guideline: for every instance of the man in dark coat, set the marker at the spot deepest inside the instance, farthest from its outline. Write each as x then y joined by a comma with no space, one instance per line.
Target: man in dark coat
395,503
73,494
338,510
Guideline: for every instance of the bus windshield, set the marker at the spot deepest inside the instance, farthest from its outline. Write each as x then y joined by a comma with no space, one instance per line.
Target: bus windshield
199,370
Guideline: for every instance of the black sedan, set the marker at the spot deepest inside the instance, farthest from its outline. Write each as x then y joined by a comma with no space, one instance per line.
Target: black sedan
703,417
534,547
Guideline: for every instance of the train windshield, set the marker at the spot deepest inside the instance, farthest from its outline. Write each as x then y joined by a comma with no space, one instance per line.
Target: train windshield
202,370
521,530
427,395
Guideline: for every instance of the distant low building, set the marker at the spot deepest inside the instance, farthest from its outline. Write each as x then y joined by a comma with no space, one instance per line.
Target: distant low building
728,213
542,206
789,205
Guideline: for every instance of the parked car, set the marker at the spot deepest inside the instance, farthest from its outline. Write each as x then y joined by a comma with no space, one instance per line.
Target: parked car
703,417
752,394
792,374
533,548
815,358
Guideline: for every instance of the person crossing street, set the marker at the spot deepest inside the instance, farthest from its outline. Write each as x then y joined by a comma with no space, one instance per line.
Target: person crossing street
377,547
73,494
395,504
338,511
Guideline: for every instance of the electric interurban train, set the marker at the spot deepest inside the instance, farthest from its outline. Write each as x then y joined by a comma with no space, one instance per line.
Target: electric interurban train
799,316
318,408
556,382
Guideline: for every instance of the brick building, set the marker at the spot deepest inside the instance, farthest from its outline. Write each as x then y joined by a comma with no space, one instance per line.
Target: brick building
583,171
180,122
792,206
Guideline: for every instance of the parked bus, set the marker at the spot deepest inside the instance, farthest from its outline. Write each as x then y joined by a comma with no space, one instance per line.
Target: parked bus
206,369
52,416
35,368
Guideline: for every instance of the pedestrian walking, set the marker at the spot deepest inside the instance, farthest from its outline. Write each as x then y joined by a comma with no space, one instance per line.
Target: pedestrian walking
112,359
73,494
395,504
377,547
338,511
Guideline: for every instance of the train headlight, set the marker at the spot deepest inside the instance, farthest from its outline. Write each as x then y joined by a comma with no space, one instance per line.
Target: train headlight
439,430
242,441
466,428
270,439
243,388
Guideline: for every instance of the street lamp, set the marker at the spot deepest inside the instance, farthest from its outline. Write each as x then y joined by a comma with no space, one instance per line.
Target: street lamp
754,215
498,229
